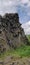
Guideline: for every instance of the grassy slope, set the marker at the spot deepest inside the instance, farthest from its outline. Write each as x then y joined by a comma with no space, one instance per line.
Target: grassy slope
22,51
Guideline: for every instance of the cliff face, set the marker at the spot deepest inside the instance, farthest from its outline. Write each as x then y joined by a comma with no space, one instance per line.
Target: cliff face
11,31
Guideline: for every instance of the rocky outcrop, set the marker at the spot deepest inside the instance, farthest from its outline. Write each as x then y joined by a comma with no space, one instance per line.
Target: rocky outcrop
11,31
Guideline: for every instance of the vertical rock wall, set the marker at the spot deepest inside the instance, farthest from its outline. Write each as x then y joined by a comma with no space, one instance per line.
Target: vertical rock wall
12,30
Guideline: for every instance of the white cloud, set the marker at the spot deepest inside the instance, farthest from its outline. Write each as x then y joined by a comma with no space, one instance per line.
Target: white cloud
9,4
26,27
26,2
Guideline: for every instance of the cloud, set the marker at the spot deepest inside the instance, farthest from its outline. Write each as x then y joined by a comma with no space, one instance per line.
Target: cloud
26,27
25,3
12,6
9,4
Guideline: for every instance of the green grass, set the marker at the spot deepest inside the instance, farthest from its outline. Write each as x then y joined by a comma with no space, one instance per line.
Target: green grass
23,51
28,36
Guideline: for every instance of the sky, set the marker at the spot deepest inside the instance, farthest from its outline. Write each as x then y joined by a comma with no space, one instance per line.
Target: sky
22,7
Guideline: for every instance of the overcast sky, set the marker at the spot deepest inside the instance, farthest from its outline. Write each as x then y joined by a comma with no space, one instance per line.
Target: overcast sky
20,6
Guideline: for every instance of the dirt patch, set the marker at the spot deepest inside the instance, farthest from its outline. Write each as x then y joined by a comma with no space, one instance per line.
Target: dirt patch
10,60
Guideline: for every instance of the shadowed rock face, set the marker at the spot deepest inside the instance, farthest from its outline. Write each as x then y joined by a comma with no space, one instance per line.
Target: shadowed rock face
11,30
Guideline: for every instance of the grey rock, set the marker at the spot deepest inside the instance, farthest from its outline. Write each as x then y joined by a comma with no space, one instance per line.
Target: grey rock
12,31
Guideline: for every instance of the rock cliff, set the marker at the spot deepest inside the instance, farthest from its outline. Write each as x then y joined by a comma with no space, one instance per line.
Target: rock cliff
11,33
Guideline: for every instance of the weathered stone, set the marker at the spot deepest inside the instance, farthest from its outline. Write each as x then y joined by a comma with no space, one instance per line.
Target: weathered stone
11,30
